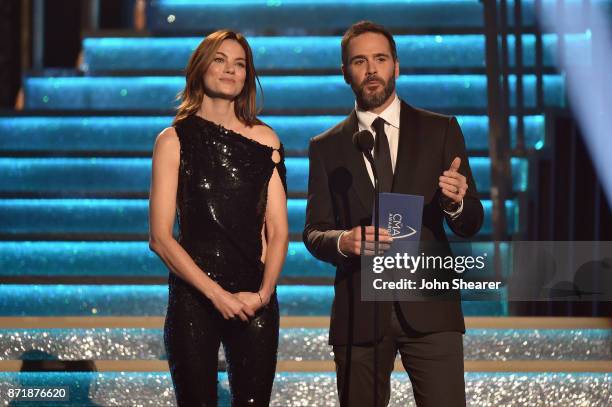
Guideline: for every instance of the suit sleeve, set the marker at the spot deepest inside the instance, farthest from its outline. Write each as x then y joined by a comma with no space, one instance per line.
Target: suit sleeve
320,235
470,220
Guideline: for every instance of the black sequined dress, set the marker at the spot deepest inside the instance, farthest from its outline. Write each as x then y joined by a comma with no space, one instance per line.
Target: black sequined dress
221,203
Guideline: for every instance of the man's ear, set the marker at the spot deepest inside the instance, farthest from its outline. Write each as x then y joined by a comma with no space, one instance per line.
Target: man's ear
345,74
397,70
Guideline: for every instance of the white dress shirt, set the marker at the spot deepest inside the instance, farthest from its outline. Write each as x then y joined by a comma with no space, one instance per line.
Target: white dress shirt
391,116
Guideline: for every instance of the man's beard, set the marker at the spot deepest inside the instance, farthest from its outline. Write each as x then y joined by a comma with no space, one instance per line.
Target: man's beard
373,100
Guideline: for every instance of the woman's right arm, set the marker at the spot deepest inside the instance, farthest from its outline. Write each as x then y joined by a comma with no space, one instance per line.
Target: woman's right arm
162,212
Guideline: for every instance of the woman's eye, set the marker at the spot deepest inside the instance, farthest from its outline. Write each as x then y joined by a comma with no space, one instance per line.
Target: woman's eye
218,59
241,65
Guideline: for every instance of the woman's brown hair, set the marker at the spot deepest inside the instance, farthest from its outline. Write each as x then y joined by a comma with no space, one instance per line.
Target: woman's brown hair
245,104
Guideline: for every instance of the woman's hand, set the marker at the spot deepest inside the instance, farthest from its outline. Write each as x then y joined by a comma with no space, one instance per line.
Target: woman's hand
252,300
231,305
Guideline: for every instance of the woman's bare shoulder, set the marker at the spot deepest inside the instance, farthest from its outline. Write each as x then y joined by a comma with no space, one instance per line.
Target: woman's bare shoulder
167,141
264,135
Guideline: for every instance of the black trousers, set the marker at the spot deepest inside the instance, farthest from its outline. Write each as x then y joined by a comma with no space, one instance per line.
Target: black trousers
434,363
193,332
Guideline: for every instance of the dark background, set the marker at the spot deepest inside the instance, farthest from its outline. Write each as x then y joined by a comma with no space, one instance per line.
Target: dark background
64,26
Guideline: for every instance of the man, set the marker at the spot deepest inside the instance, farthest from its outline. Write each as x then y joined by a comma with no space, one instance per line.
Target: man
417,152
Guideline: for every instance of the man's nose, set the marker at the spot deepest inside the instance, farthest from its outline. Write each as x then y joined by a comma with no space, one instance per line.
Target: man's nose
371,68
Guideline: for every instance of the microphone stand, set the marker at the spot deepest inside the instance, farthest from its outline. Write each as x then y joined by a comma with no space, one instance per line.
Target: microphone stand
365,142
369,157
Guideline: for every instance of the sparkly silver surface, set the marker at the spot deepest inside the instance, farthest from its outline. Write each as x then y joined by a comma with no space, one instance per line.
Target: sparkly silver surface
79,344
538,344
319,389
479,344
299,344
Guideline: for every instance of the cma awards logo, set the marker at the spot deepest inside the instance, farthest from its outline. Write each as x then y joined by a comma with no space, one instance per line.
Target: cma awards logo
397,229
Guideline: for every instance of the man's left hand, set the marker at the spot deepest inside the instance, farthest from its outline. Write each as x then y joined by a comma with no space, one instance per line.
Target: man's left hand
453,184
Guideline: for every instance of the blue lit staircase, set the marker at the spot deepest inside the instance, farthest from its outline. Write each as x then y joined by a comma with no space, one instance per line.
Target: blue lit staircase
78,279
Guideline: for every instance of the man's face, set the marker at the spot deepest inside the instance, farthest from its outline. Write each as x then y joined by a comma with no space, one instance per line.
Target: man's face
370,70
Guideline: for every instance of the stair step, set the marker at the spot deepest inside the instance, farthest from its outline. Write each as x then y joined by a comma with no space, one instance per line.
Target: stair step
302,17
151,300
300,344
308,53
102,177
136,134
121,259
116,260
116,217
313,94
483,389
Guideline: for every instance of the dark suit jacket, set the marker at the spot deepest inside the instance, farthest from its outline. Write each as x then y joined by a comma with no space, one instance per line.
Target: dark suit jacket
340,197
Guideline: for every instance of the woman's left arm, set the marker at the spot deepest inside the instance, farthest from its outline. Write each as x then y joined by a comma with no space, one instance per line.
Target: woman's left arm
276,227
277,231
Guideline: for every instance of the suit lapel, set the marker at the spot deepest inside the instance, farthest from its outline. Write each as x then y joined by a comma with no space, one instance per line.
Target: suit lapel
407,150
356,165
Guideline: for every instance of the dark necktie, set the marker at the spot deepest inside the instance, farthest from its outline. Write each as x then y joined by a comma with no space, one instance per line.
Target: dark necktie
382,156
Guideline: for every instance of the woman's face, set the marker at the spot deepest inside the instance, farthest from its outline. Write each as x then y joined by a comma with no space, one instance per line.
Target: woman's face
225,76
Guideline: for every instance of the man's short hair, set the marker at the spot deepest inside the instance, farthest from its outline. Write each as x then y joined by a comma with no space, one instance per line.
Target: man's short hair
363,27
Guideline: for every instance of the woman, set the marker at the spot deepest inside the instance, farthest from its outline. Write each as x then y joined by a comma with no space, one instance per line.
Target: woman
222,170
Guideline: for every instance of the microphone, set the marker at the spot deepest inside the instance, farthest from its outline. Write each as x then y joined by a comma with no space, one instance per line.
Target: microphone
364,141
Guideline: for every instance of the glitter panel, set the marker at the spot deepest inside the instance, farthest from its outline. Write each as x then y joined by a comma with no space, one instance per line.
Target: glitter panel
319,389
300,344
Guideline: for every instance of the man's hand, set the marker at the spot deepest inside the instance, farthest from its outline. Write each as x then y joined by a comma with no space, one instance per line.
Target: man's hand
350,242
453,184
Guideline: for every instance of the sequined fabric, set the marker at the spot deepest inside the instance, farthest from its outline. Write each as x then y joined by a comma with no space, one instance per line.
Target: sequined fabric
221,202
